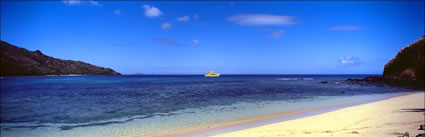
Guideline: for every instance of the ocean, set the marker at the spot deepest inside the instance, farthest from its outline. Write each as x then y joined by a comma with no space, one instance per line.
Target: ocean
144,105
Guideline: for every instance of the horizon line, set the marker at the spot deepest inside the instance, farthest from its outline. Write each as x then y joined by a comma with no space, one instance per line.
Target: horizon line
249,74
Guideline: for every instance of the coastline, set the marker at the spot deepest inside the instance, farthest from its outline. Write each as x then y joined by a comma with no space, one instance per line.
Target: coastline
388,117
248,123
170,127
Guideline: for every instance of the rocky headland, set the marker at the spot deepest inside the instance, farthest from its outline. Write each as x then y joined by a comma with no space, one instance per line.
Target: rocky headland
405,69
16,61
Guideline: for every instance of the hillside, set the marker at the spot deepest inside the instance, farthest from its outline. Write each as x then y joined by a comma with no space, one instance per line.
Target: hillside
408,64
16,61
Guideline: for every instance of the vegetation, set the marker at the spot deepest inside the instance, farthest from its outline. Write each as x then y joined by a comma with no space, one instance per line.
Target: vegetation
16,61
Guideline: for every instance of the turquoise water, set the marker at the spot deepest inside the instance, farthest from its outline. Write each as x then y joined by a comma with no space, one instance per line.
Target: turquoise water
146,105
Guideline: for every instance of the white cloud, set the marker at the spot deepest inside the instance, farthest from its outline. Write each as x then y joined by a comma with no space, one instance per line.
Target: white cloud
184,18
165,26
195,42
348,61
346,28
76,2
262,19
195,16
95,3
117,12
71,2
151,11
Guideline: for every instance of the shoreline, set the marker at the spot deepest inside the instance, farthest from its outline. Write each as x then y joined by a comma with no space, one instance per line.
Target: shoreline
243,124
132,128
351,120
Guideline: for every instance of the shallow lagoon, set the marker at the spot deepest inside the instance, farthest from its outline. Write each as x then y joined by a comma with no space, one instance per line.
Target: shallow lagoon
148,105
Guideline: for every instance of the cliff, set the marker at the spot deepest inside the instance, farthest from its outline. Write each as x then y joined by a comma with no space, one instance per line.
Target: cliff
16,61
408,65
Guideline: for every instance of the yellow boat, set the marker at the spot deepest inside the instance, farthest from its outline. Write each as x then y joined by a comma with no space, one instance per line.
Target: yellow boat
212,74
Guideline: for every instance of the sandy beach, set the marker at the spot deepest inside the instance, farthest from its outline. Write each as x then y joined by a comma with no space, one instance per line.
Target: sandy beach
391,117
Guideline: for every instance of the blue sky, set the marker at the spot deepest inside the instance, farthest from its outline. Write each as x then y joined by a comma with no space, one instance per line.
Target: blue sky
192,37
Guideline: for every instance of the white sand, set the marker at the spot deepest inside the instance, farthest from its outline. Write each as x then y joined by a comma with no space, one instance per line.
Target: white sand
387,118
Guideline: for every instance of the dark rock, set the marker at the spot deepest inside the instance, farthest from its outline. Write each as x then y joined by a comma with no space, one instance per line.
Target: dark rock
371,80
407,67
38,52
16,61
343,92
323,82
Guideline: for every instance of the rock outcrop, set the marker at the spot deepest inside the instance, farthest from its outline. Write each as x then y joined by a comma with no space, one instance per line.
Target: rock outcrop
16,61
408,65
405,69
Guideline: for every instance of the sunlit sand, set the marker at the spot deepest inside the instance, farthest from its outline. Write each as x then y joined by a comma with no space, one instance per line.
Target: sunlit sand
391,117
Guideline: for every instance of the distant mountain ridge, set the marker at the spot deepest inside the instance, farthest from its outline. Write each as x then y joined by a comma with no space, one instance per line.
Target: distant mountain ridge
16,61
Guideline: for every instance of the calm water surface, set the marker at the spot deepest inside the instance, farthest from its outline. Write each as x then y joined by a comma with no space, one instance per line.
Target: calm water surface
69,102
